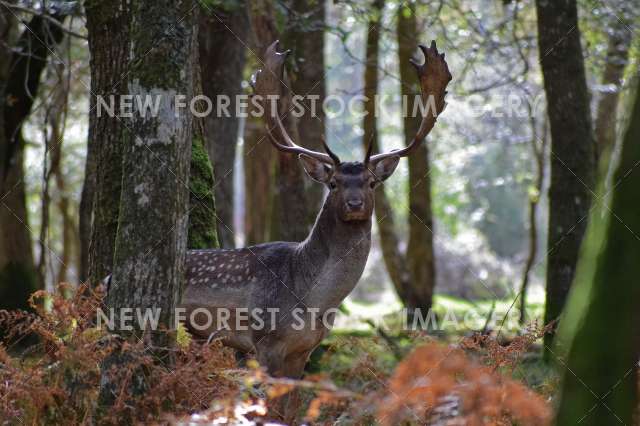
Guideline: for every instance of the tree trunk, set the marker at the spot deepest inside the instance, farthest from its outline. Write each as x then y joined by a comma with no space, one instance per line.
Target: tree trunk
222,61
258,157
151,240
108,28
85,210
420,258
202,231
600,383
394,260
534,200
290,218
152,227
572,146
305,38
18,276
616,61
69,234
56,114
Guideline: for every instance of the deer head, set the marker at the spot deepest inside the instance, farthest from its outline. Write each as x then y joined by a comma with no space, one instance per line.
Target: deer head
351,184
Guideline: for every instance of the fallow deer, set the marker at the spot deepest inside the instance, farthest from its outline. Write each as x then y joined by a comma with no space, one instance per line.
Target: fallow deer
317,273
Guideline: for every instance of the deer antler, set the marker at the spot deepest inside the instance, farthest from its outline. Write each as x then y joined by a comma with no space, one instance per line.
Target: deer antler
434,76
268,83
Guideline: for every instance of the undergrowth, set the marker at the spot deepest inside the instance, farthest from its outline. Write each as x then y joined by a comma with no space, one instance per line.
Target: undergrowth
353,379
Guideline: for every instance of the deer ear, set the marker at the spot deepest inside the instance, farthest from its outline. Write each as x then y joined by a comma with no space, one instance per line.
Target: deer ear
385,167
317,170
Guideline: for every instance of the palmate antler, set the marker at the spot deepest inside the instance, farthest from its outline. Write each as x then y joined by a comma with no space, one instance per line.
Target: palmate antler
434,77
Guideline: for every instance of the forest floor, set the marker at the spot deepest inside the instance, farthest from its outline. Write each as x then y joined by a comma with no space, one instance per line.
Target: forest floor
371,369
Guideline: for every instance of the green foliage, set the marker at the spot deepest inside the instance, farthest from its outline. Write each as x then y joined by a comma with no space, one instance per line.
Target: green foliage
602,309
202,216
208,6
498,200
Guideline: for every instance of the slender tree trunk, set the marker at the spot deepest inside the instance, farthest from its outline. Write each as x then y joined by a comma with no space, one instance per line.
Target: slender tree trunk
108,28
222,59
600,383
534,199
55,120
420,257
69,236
258,157
616,61
305,38
572,146
393,258
18,275
290,220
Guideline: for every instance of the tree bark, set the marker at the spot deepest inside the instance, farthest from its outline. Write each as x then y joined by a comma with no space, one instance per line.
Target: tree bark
258,157
606,283
290,217
305,38
616,61
18,275
152,226
108,28
420,257
85,209
572,146
202,232
222,59
393,258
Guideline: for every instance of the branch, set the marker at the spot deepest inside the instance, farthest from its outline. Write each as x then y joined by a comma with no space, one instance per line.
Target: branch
45,16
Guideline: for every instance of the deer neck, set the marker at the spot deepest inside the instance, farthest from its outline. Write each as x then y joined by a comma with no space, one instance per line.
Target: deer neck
332,258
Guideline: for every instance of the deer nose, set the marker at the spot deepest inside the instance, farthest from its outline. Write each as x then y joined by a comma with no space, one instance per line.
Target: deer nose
354,204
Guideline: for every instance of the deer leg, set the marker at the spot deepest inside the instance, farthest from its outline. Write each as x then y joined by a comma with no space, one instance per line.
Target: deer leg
271,354
294,369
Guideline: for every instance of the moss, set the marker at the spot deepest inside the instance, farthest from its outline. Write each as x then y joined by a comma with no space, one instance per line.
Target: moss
161,36
202,216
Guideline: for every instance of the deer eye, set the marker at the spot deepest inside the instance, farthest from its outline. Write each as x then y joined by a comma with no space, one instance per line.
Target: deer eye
373,184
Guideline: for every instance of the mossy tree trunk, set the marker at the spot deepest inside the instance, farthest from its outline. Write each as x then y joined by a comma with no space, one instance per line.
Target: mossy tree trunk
151,240
21,80
202,230
222,32
152,226
572,147
108,28
600,383
109,42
